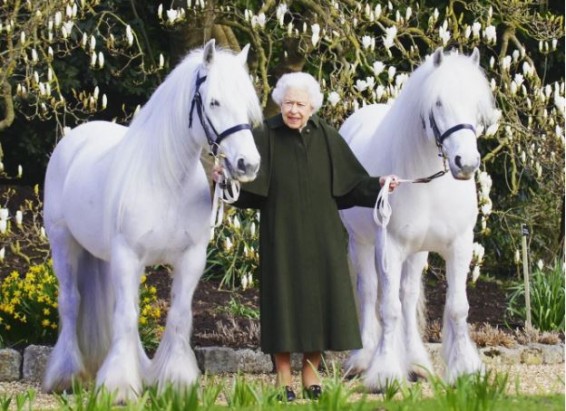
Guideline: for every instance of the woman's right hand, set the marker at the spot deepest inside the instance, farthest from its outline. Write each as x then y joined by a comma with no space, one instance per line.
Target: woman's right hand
217,173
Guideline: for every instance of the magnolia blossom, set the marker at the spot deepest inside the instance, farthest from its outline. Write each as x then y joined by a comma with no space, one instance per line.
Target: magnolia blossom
379,92
517,256
172,15
485,182
104,101
4,213
408,13
506,63
315,34
377,11
478,252
2,253
160,11
389,39
100,59
252,229
361,85
161,61
378,68
3,226
367,42
444,34
540,265
467,32
259,20
280,13
391,72
486,208
19,217
129,35
333,98
20,171
476,27
490,35
67,28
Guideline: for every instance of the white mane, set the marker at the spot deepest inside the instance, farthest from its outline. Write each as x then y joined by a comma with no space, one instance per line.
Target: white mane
159,147
456,82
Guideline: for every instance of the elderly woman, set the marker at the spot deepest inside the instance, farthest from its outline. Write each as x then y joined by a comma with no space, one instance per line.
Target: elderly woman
307,174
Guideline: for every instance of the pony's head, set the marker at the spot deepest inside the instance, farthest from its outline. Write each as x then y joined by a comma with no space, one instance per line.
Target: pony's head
457,100
223,109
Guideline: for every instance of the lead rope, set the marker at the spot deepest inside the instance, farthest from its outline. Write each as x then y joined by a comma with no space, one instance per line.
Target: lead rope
227,191
382,209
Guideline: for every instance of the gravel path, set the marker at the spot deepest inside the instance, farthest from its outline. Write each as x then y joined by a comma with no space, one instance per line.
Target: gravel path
523,379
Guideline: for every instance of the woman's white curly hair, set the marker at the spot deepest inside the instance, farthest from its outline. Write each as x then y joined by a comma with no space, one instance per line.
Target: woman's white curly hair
299,81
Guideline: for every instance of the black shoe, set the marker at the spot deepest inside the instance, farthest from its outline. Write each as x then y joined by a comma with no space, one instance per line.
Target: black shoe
313,392
287,395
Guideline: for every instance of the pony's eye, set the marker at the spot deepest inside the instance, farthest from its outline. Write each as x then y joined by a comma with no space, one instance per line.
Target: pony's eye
214,103
438,103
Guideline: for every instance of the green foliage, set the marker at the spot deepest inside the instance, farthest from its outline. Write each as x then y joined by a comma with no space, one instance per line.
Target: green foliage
547,298
233,252
237,309
475,392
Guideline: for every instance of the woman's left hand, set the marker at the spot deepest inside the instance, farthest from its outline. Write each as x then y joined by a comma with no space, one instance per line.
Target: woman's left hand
393,183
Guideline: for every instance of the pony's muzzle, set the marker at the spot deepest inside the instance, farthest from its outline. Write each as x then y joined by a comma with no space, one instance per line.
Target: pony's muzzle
465,167
244,169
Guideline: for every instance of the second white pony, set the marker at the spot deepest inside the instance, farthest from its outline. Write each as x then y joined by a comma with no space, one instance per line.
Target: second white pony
435,115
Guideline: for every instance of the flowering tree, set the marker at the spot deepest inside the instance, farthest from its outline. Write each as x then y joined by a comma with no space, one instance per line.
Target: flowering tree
363,51
50,47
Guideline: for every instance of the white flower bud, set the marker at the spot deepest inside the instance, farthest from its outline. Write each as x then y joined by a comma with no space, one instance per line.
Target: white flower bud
19,217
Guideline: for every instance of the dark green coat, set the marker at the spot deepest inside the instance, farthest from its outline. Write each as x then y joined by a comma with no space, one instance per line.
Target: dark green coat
306,297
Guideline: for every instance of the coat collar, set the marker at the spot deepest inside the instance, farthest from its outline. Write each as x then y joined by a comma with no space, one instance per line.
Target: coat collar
277,121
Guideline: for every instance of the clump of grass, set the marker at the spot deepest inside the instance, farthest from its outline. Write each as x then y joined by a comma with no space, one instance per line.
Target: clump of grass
547,298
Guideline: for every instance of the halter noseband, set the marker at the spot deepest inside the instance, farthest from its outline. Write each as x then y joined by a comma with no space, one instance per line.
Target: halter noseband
441,137
215,139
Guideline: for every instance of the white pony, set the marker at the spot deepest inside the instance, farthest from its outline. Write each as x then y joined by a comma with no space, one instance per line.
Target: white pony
119,198
435,115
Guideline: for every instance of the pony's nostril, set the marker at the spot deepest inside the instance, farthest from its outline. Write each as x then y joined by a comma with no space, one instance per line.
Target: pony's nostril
458,161
241,165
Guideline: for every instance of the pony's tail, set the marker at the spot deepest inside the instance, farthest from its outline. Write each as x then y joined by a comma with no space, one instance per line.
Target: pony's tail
94,325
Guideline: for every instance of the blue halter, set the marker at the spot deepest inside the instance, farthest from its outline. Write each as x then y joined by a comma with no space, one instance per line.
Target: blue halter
215,139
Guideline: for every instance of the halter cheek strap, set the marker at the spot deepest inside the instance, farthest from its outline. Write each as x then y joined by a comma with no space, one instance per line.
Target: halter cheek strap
215,139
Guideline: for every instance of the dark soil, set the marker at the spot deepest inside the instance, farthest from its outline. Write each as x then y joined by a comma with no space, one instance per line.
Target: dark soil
213,324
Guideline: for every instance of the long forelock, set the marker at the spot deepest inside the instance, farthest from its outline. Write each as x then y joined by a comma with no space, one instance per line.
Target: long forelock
231,82
457,80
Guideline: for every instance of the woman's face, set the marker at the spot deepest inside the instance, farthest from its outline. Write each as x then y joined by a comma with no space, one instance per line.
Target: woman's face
296,108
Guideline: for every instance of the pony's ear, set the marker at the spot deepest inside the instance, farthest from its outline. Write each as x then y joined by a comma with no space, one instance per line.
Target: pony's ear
476,56
243,55
209,51
437,57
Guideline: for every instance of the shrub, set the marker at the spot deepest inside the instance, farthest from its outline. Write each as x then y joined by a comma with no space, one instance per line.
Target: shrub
233,252
28,309
547,299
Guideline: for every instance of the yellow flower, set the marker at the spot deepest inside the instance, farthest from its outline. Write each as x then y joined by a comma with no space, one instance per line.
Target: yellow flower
152,290
143,279
46,323
143,320
46,311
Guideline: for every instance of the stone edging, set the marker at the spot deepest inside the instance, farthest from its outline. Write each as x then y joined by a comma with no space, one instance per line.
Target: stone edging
213,360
